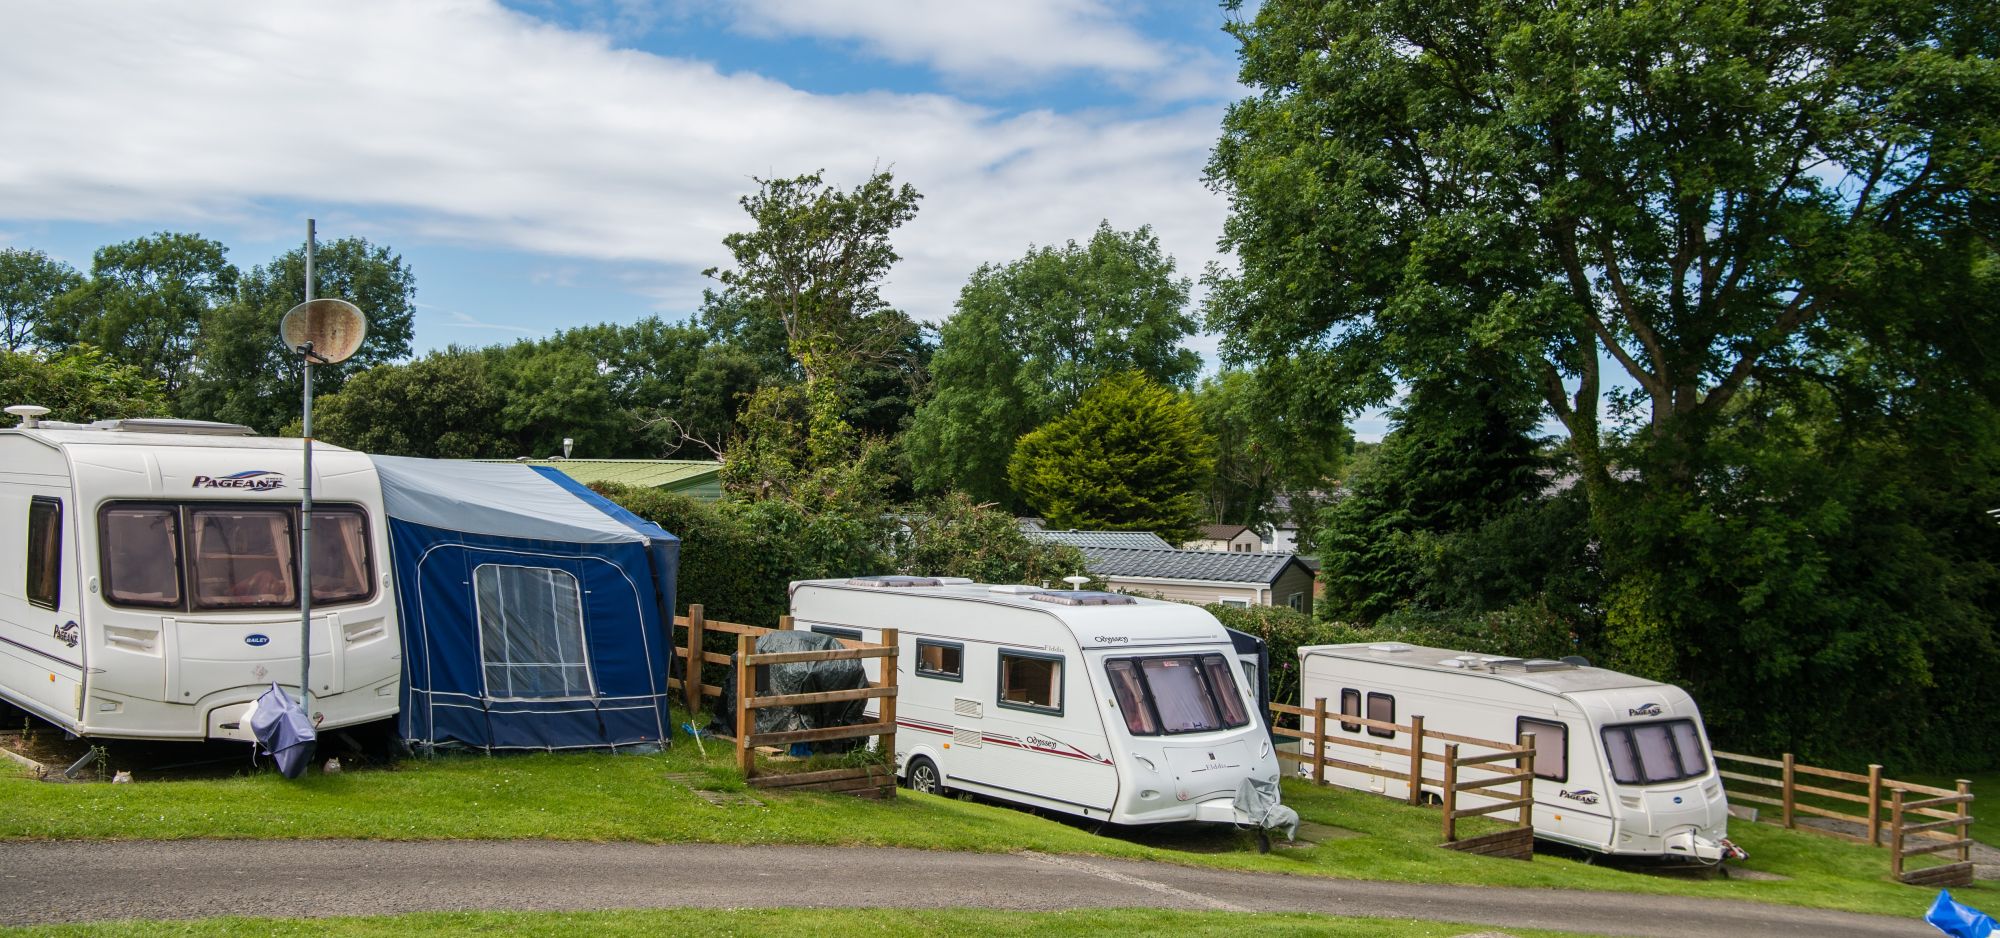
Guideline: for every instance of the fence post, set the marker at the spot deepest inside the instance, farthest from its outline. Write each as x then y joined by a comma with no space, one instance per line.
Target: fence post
1417,759
1874,805
1526,766
691,680
1789,780
746,684
1450,791
784,623
1319,740
1896,833
887,712
1964,829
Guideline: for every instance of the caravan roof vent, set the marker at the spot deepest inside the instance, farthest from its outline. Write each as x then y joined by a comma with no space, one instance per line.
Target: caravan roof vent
1392,647
1082,598
1531,664
1453,662
172,425
894,581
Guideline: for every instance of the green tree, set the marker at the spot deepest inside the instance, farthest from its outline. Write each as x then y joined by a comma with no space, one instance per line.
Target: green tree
145,302
79,384
815,263
1263,452
445,405
29,282
243,372
1030,337
1131,456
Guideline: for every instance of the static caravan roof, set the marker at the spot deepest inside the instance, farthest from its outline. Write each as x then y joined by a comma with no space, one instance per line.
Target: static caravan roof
1100,538
1556,677
695,478
1208,566
1096,619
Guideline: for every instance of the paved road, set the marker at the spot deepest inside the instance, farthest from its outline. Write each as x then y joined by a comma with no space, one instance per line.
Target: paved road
77,882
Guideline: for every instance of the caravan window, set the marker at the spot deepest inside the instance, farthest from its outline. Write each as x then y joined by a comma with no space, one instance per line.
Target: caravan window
1030,682
243,557
943,660
341,570
1381,707
1654,753
142,555
1350,706
1177,694
531,632
1551,747
45,552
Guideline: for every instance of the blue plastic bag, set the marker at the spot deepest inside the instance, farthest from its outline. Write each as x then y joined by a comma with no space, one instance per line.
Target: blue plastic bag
1958,920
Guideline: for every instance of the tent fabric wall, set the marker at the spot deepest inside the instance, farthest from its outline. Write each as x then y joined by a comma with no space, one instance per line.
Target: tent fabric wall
447,523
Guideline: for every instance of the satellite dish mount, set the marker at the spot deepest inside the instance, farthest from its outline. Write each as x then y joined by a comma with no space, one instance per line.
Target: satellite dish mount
327,331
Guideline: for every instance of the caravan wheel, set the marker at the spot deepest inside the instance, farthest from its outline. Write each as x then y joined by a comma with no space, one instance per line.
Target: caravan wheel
922,775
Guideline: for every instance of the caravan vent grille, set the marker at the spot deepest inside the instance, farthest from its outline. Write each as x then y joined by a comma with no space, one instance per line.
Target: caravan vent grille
897,581
968,708
960,736
1082,598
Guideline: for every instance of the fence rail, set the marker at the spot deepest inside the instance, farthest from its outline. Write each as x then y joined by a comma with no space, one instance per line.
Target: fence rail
863,781
1907,833
1413,761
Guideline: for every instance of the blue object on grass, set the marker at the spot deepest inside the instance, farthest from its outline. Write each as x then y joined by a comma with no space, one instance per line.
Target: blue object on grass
1958,919
285,731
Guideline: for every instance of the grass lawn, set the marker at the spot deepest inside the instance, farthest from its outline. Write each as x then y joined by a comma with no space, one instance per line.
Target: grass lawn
805,923
628,798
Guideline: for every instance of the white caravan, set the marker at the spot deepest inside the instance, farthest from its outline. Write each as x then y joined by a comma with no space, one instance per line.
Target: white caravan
1100,705
149,583
1622,763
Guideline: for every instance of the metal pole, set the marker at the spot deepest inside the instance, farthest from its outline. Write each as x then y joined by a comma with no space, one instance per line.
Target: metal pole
306,506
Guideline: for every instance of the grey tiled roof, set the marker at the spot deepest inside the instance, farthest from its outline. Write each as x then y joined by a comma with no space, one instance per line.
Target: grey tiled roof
1187,564
1141,539
1222,532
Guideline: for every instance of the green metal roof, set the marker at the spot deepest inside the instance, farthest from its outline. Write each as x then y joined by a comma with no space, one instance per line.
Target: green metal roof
697,478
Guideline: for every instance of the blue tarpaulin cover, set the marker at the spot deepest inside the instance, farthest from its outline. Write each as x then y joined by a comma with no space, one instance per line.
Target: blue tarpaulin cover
1957,919
535,613
283,729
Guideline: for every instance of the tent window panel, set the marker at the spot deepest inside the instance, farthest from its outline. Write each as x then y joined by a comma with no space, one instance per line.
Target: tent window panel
45,552
141,555
942,660
531,632
1030,682
342,571
243,557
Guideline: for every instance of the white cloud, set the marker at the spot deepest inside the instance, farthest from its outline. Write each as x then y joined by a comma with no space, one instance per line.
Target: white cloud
462,122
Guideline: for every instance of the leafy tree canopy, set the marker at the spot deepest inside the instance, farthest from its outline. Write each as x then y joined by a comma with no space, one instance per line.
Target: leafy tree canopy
1031,336
1131,456
144,303
1265,452
79,384
30,281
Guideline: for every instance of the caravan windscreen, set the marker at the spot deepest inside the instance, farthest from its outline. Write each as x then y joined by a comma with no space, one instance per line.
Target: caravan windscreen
1654,753
1177,694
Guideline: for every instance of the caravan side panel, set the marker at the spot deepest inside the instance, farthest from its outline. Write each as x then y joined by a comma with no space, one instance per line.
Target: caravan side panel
41,648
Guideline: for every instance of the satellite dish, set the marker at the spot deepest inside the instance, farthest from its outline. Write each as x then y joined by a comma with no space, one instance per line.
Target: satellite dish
334,327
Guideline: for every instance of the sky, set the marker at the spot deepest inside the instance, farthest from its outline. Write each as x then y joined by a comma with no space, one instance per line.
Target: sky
541,164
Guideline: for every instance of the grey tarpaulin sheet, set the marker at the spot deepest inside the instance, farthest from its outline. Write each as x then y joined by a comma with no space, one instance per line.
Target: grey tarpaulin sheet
806,677
1258,799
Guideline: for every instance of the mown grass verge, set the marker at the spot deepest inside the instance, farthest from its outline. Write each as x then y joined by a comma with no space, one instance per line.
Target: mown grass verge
787,923
628,798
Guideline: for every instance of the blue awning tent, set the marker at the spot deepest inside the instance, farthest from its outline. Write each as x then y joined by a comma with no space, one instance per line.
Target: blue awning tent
535,613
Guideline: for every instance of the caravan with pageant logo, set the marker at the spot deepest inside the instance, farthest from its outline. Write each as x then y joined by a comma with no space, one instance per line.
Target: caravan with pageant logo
1622,763
1098,705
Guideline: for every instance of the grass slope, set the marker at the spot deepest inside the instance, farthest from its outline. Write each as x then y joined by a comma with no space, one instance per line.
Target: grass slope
627,798
787,923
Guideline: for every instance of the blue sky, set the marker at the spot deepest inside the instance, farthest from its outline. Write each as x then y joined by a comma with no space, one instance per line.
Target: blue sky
548,163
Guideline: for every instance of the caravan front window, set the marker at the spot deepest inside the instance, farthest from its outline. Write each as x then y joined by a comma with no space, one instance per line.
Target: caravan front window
340,567
1654,753
142,555
1177,694
531,632
243,557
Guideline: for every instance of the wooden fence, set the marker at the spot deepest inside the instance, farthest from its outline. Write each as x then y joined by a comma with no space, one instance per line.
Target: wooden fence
1452,782
862,781
1909,835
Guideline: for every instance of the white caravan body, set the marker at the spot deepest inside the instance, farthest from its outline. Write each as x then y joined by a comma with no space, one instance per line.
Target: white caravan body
1131,712
148,579
1622,763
